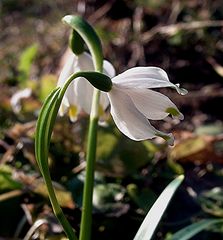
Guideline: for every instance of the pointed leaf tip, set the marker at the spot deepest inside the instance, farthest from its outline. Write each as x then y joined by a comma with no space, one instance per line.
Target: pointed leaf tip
154,215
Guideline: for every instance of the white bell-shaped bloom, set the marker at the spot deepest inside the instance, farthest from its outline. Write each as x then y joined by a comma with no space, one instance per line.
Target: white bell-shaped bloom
133,102
79,94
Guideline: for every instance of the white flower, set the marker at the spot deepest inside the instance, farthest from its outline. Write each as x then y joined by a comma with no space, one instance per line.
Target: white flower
79,94
133,103
17,98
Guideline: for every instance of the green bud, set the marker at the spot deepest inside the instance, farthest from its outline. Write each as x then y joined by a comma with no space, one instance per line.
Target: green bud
76,43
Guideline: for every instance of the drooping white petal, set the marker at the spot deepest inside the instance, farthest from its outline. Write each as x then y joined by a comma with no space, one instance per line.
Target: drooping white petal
104,101
80,91
85,62
145,77
84,92
129,120
108,69
153,105
64,106
67,70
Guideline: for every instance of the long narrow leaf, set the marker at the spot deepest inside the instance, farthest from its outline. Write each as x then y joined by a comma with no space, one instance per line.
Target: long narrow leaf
44,129
41,131
193,229
153,217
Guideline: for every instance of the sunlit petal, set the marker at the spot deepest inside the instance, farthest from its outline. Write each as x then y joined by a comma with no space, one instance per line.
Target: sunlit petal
73,113
145,77
83,92
108,69
85,62
67,70
129,120
153,105
104,101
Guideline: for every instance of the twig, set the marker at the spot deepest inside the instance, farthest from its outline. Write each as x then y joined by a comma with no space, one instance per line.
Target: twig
101,11
172,29
11,194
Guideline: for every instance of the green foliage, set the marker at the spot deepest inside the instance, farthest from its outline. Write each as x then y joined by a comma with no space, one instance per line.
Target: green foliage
154,215
76,43
89,36
7,182
47,84
106,196
212,201
25,62
144,198
64,197
193,229
118,156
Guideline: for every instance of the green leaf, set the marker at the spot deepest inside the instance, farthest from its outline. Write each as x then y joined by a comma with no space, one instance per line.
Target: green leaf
44,129
7,183
193,229
153,217
144,198
118,156
25,62
106,195
76,43
64,197
211,201
47,84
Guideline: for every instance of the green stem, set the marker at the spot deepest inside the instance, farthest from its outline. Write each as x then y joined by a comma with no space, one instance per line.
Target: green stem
58,211
86,218
92,40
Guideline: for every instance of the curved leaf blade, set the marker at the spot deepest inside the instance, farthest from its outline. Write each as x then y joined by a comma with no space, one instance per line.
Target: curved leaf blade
42,132
193,229
153,217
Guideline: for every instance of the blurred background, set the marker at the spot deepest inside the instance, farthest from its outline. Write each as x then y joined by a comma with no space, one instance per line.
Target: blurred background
182,37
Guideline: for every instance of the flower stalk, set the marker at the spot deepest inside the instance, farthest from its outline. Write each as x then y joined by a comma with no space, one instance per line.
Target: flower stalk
93,42
86,218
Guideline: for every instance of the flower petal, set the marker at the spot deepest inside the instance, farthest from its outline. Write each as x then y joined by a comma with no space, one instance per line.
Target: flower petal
145,77
73,113
80,91
104,101
108,69
67,70
153,105
129,120
85,62
84,92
